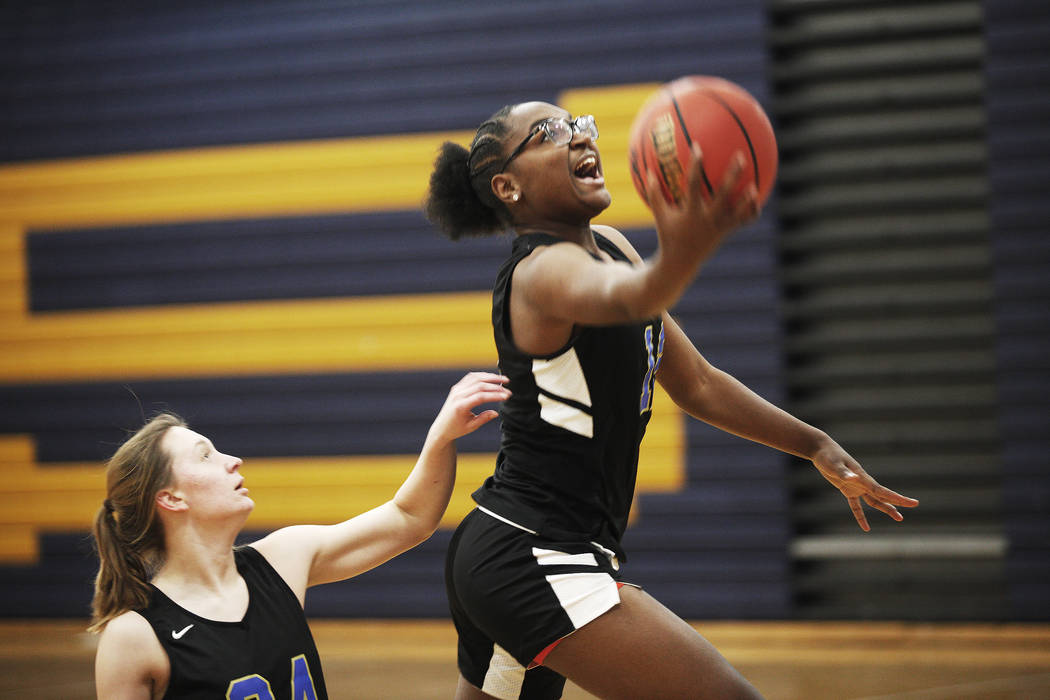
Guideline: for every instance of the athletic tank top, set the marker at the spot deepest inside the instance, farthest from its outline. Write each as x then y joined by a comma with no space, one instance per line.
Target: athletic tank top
572,427
268,655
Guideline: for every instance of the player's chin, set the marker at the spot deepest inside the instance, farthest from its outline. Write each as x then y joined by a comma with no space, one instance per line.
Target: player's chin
596,199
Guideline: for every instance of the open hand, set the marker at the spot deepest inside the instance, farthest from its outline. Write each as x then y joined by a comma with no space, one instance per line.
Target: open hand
699,221
457,417
846,474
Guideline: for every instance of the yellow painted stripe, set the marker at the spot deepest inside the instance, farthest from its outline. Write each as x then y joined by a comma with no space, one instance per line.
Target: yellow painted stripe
65,497
293,336
310,177
345,175
337,335
332,176
13,286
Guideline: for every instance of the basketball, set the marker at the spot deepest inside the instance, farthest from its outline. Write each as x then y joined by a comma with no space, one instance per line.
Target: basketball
722,117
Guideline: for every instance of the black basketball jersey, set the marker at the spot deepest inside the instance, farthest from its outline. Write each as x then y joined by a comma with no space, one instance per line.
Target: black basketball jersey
573,424
268,655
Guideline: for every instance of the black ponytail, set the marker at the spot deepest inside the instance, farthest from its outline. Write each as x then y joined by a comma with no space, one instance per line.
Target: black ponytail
460,200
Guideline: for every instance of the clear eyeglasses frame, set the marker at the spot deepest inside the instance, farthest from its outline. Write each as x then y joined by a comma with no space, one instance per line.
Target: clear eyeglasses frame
558,131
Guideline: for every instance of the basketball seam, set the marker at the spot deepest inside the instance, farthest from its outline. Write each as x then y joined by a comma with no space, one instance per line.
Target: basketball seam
645,165
747,137
634,167
689,140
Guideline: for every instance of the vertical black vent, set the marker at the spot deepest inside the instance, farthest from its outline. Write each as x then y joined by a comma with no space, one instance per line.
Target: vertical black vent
889,302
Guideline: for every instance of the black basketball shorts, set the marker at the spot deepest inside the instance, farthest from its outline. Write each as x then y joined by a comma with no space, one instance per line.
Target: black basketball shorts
513,594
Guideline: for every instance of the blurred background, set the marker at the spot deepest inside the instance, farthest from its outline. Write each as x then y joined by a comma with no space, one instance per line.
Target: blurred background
214,209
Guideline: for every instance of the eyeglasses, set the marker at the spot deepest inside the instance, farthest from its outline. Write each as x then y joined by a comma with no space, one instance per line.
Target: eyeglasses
559,131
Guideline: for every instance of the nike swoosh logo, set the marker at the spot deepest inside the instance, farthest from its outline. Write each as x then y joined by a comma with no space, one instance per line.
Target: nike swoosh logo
178,635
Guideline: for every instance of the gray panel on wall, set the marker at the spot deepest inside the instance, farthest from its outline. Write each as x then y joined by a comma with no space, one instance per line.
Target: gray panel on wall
888,300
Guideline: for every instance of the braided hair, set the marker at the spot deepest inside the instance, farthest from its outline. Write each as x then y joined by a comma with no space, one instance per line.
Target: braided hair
460,200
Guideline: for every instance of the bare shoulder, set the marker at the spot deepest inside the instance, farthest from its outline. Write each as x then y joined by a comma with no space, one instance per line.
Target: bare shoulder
620,240
130,662
291,552
293,545
550,265
128,629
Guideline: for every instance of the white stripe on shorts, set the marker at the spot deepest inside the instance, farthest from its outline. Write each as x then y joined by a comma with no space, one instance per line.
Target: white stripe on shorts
552,557
505,675
584,596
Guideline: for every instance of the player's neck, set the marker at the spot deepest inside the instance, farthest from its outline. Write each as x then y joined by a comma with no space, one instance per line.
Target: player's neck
203,557
580,234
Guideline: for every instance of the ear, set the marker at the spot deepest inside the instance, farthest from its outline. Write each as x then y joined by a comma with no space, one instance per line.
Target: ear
170,501
506,188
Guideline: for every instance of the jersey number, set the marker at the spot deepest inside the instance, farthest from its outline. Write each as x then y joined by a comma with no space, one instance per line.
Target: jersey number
654,351
255,687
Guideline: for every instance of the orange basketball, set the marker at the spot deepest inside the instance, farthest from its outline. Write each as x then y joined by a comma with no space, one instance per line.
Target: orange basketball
722,117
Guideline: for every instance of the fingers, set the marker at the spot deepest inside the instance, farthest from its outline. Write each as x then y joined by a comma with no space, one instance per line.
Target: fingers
884,507
477,398
481,419
483,376
473,380
881,499
744,207
456,417
694,173
731,177
733,208
857,485
858,513
654,194
726,204
479,387
884,494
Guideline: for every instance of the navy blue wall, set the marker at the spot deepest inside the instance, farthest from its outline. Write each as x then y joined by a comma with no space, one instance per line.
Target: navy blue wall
1018,72
98,79
85,79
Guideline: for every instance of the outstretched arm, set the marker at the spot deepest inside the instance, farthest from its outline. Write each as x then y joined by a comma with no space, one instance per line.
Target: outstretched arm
715,397
307,555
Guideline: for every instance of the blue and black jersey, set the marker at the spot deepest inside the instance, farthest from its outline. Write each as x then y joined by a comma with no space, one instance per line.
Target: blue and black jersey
268,655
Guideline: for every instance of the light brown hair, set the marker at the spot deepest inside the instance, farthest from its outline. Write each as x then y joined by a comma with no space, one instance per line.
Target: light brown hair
128,534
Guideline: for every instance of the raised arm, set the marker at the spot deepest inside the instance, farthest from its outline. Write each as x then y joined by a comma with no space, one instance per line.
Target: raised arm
715,397
307,555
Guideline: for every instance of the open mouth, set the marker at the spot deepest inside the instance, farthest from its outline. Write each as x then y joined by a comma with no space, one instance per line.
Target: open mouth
588,168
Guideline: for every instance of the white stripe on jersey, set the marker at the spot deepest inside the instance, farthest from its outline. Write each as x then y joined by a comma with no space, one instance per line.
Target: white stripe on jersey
563,377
